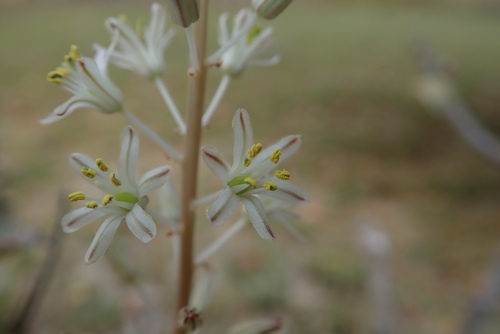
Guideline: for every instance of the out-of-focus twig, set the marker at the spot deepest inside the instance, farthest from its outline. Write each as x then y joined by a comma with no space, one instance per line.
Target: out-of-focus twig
23,321
436,90
486,299
375,245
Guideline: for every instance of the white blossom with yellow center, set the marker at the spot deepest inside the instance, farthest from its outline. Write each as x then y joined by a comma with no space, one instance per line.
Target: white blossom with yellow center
142,50
254,172
249,48
87,79
124,199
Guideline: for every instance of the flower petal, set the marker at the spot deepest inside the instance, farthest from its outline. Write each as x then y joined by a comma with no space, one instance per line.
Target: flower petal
216,163
78,218
243,136
288,192
141,224
67,108
102,239
128,155
288,146
257,216
153,179
222,207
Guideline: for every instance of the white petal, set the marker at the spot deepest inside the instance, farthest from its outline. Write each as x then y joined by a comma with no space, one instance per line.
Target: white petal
243,136
141,224
102,239
222,207
262,165
128,155
257,216
67,108
288,192
153,179
78,218
216,163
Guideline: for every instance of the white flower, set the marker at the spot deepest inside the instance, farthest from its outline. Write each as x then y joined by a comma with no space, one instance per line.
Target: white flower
250,174
125,199
87,80
141,51
247,50
269,9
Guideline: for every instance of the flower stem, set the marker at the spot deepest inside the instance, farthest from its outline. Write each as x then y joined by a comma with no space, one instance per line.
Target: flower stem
169,101
153,135
196,93
219,93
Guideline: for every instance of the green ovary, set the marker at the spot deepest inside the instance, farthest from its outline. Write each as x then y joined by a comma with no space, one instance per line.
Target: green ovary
125,197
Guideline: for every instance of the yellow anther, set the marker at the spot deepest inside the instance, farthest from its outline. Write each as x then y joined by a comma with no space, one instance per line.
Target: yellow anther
57,75
250,181
91,204
254,32
106,199
275,156
88,172
101,165
139,28
72,56
247,162
268,185
76,196
254,150
114,180
282,174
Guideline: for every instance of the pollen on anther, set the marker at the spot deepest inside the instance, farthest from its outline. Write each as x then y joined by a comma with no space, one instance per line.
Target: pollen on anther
247,162
282,174
91,204
268,185
275,156
114,180
88,172
107,199
76,196
254,150
101,165
251,182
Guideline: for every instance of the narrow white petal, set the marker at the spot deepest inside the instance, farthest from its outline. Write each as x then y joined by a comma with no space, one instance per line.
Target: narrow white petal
153,179
222,207
78,218
216,163
257,216
141,224
79,160
97,82
288,192
67,108
128,154
261,165
243,136
102,239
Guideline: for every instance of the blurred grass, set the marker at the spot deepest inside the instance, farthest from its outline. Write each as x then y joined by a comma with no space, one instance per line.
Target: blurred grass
345,84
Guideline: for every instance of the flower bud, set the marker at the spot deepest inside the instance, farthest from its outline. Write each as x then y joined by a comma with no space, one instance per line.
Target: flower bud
183,12
269,9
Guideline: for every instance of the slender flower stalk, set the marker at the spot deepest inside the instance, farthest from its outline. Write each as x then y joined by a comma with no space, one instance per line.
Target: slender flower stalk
219,93
169,101
125,199
193,54
151,134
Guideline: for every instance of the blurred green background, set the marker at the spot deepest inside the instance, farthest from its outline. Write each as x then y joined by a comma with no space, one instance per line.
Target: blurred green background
371,151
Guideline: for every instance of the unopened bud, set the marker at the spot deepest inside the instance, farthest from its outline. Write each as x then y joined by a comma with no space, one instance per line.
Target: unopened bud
269,9
183,12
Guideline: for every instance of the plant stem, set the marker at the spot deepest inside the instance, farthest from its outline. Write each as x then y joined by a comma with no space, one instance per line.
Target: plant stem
196,93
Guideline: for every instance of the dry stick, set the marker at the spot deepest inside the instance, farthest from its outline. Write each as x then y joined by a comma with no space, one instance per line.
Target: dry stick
24,320
196,93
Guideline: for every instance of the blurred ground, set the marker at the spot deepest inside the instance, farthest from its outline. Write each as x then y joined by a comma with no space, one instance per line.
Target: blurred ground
370,150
